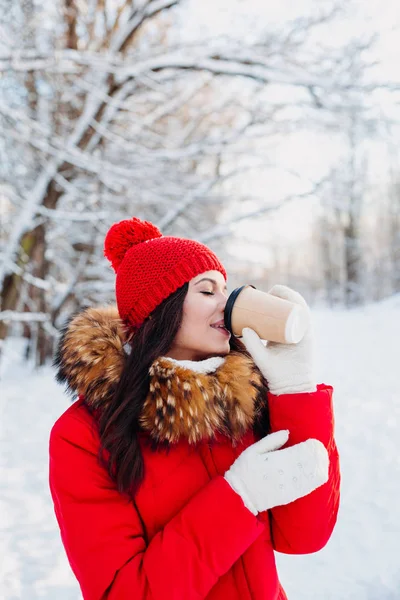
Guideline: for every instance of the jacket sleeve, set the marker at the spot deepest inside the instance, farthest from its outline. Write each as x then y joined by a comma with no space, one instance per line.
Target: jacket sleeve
105,541
305,525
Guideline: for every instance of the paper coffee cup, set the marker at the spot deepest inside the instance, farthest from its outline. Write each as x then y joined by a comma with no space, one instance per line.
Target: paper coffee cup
272,318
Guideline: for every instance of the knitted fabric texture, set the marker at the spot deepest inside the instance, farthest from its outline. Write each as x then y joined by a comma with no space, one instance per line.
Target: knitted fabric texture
149,270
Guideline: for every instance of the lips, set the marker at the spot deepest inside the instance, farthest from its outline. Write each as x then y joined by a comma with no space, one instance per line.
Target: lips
220,323
220,326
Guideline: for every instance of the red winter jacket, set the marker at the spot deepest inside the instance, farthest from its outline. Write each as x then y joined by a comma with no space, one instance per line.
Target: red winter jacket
186,535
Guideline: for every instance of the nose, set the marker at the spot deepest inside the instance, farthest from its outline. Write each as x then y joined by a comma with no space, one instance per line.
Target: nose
223,302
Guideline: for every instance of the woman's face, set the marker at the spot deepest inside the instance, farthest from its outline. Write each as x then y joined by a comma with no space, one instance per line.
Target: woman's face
201,334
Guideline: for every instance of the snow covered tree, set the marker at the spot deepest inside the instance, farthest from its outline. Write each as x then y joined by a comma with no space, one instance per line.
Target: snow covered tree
107,111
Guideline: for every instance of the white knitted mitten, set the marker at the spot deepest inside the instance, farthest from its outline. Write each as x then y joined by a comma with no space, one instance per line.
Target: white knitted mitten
265,477
288,368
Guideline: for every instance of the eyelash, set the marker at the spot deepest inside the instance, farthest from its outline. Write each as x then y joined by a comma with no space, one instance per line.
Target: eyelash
208,293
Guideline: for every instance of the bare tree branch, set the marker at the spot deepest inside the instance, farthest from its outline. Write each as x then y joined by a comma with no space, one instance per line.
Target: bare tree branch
223,230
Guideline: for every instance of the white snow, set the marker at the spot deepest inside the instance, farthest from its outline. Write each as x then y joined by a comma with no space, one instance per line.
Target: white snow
358,354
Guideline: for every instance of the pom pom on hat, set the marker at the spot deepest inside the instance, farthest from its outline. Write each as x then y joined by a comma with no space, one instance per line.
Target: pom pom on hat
124,235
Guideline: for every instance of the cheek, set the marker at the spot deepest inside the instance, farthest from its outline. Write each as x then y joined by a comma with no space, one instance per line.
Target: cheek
198,310
196,319
197,315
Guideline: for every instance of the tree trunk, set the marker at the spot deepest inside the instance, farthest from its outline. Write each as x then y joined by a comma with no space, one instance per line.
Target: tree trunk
33,248
352,262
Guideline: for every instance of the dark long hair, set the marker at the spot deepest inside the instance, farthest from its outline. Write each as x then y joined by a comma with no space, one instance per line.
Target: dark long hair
119,422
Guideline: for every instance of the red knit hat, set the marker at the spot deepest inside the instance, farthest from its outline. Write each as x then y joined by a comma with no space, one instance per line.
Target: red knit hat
150,266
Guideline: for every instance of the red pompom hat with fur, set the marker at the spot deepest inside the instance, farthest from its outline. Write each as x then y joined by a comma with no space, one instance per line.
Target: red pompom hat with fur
150,266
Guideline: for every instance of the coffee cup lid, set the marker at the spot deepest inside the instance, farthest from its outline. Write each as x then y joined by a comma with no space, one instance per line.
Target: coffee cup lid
230,303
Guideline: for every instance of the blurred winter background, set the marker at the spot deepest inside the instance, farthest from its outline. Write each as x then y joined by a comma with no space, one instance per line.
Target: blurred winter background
268,130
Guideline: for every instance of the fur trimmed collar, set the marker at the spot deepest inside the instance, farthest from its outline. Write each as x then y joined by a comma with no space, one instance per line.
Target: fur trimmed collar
195,404
186,399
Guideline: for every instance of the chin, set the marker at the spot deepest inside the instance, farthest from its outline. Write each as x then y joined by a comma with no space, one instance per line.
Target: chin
221,352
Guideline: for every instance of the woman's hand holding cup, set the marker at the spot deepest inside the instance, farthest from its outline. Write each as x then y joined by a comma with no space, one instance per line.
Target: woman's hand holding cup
288,368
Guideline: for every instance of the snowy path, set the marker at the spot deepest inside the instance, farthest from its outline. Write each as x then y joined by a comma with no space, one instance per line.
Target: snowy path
359,355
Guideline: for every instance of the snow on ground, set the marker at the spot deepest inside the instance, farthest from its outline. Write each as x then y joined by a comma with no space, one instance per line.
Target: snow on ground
358,354
360,357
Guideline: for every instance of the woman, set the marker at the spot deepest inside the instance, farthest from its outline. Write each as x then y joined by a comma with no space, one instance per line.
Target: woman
176,475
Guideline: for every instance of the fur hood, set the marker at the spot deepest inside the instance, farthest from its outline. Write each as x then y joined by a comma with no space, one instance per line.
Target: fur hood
194,400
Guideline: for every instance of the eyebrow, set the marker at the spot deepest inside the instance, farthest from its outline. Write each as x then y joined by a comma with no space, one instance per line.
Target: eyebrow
211,280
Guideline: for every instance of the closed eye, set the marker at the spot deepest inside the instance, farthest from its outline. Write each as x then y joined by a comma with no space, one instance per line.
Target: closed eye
208,293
